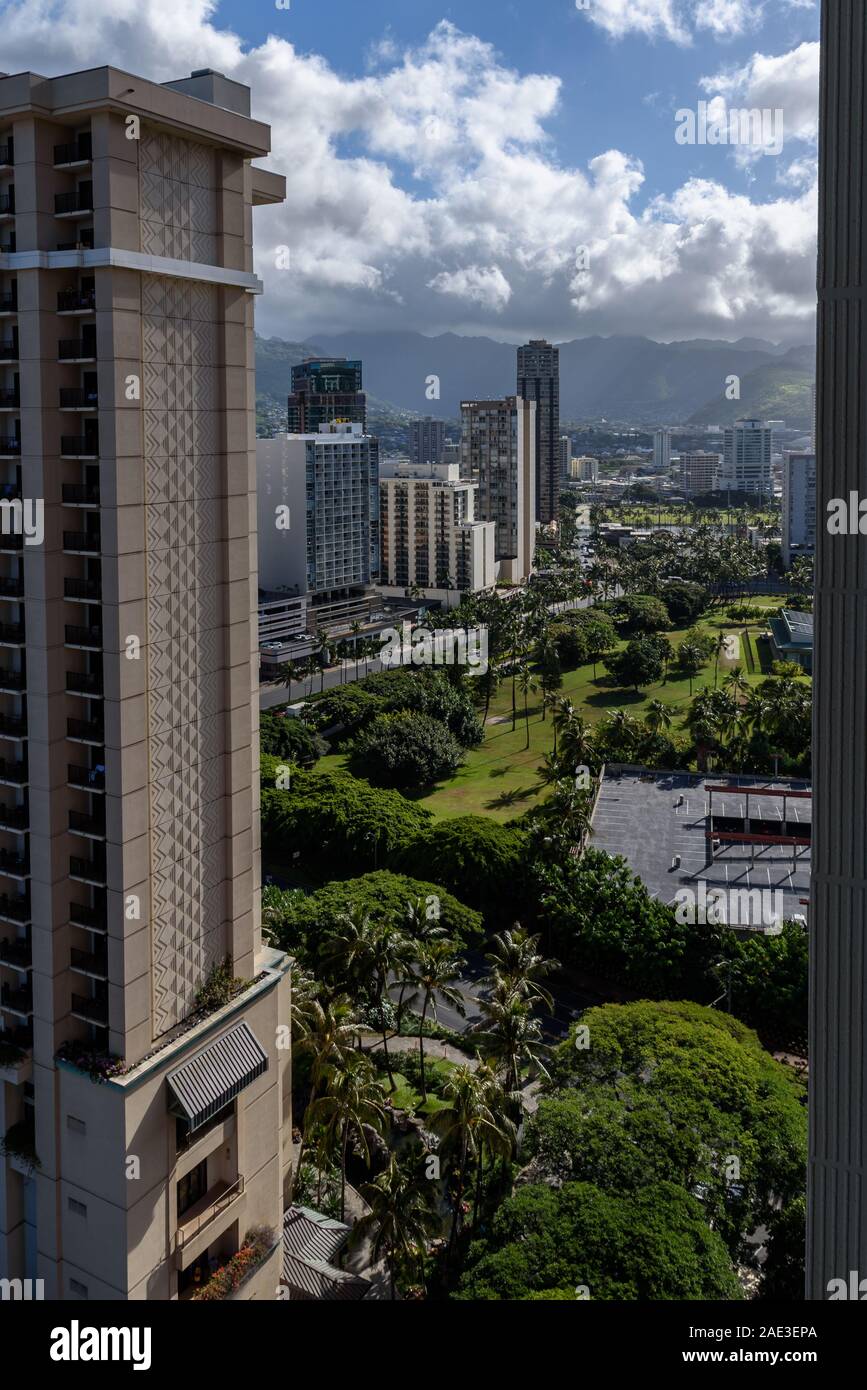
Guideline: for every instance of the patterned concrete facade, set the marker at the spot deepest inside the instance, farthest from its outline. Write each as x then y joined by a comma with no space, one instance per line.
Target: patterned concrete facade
133,827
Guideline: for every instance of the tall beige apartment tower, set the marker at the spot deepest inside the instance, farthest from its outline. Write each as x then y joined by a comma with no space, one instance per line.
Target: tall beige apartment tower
129,847
498,451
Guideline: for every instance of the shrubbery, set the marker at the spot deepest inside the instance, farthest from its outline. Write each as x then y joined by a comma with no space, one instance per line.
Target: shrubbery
298,923
406,749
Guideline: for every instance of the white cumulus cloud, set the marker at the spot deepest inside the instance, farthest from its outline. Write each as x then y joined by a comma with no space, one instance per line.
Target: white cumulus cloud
427,191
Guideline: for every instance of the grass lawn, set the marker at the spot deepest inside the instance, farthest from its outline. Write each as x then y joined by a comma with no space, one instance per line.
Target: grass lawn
406,1097
500,780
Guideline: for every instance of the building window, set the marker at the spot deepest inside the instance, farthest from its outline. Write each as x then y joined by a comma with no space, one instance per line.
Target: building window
185,1138
192,1187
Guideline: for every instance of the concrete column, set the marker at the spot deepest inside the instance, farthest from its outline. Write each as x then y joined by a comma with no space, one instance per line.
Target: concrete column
837,1197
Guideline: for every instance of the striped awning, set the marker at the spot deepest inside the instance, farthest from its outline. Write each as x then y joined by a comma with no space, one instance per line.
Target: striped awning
208,1081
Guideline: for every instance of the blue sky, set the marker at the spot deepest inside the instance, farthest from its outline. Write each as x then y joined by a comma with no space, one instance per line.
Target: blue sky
620,92
508,169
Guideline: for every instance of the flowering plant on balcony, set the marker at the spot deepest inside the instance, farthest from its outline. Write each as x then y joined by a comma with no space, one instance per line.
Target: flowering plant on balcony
20,1142
224,1281
220,987
10,1053
98,1065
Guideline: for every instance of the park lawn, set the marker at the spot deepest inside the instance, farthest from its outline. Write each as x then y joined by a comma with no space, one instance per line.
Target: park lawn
500,779
405,1096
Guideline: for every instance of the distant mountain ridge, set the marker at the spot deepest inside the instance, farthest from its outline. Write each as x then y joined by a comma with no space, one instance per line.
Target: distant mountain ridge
619,378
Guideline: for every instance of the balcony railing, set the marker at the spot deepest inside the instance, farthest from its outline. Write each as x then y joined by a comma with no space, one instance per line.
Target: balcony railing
13,863
11,540
88,918
10,444
12,633
73,301
12,728
87,825
8,302
213,1204
13,680
84,243
7,203
10,398
78,398
78,151
93,1010
86,731
89,963
75,350
18,1001
93,870
14,772
21,1036
91,778
88,637
9,348
83,683
80,495
66,203
89,589
7,152
86,542
79,446
17,953
15,909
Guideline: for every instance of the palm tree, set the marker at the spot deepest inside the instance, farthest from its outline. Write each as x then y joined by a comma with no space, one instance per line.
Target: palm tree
550,702
403,1212
563,718
355,629
510,1036
323,653
735,683
473,1120
286,674
658,716
517,963
327,1032
552,770
436,970
354,1101
366,953
528,684
577,744
419,928
721,644
623,729
569,811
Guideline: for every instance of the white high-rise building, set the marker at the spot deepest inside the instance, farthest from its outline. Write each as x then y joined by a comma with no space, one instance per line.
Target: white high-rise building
698,473
431,538
662,450
498,447
318,506
746,465
799,506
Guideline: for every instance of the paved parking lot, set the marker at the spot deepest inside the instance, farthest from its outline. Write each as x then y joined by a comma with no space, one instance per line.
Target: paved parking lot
642,820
